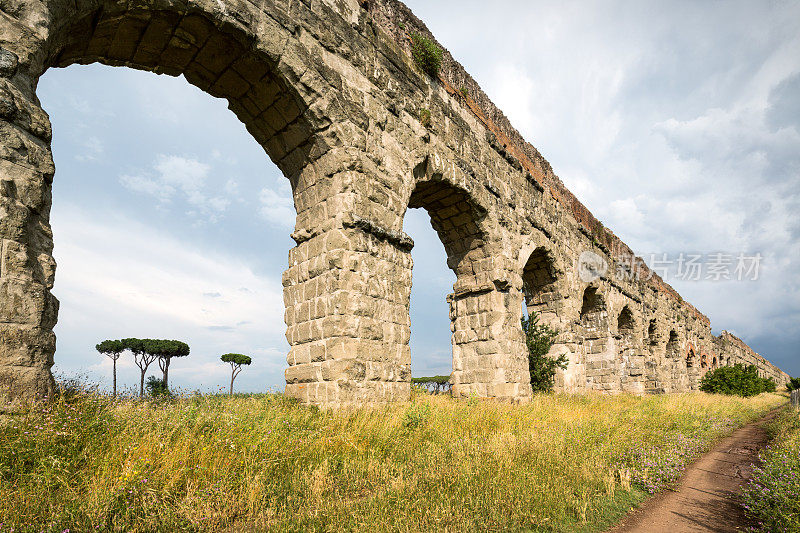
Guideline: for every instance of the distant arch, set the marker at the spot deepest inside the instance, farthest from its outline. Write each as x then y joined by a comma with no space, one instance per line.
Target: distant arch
539,284
626,324
592,304
652,332
673,345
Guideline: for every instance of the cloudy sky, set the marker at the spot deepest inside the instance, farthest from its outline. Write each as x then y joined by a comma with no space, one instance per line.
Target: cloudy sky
678,125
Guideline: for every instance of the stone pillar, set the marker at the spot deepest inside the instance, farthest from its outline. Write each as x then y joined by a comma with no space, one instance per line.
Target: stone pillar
654,358
27,309
346,294
489,352
346,291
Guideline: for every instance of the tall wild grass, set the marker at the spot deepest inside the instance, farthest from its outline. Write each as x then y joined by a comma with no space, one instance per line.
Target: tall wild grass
772,497
262,462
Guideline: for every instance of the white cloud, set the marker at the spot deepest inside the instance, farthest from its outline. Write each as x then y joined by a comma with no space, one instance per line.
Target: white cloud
160,191
625,213
232,190
277,208
93,149
184,173
187,176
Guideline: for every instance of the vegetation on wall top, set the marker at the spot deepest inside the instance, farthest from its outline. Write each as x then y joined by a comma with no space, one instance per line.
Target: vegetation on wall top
426,54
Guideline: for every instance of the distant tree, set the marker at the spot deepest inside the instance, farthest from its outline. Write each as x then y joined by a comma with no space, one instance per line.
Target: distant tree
165,350
435,384
112,349
141,356
539,338
736,380
236,361
794,383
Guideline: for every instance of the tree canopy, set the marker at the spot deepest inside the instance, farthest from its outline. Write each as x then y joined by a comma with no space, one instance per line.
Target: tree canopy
110,348
433,383
236,359
166,348
145,351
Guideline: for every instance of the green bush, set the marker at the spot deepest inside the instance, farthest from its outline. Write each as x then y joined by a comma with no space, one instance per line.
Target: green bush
426,54
425,117
736,380
156,388
794,383
539,338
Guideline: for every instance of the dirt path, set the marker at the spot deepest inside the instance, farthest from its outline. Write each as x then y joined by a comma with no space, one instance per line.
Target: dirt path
703,501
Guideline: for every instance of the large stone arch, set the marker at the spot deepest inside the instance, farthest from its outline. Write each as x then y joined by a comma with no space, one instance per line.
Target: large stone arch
277,82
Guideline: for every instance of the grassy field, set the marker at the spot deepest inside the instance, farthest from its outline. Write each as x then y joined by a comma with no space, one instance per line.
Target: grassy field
772,497
252,463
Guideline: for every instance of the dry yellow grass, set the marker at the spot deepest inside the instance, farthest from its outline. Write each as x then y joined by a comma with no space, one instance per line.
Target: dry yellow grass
560,463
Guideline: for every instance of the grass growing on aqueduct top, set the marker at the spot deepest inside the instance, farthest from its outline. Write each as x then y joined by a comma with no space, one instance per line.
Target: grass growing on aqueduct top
258,462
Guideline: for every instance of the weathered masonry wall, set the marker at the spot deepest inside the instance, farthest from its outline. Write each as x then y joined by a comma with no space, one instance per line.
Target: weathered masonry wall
328,88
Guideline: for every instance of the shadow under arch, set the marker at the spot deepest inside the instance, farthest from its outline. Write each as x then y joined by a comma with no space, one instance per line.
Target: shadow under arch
593,314
626,324
540,285
457,221
673,345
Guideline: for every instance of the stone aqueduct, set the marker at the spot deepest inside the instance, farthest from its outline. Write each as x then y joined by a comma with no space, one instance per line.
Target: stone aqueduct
330,91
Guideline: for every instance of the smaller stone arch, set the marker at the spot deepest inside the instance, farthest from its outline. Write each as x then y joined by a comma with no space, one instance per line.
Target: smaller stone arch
540,285
593,304
704,361
626,323
488,346
652,332
457,219
714,363
673,345
690,357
